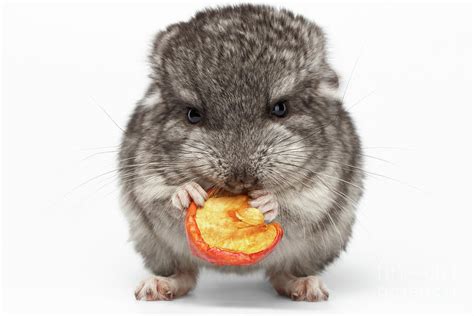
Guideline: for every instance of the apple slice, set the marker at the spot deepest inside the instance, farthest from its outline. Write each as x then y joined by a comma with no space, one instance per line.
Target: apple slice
227,231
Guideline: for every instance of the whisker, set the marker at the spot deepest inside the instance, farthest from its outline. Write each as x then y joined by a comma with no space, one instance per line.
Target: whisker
350,76
99,153
98,148
368,173
106,173
361,99
383,147
336,229
335,191
108,115
318,173
377,158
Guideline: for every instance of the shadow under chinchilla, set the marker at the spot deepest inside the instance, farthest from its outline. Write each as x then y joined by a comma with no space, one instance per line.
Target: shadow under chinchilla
254,291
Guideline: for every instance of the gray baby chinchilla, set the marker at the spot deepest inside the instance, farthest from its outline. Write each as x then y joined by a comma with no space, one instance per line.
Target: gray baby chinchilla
241,98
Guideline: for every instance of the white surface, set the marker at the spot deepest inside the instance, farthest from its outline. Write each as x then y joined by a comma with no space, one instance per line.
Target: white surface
412,247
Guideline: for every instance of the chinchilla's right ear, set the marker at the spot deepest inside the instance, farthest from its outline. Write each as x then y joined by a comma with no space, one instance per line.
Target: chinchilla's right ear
160,45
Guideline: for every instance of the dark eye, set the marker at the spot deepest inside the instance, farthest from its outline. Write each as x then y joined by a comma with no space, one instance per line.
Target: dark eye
279,109
194,116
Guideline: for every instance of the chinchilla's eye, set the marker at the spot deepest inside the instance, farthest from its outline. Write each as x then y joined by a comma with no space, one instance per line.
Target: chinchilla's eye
280,109
194,116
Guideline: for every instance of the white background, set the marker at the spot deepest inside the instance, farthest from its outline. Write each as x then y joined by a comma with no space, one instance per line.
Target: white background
64,247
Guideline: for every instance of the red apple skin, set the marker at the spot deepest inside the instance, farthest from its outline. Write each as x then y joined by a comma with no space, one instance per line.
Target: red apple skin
218,256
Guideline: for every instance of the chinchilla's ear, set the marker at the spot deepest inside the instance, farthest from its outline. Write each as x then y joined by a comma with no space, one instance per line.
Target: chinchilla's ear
159,46
328,75
317,60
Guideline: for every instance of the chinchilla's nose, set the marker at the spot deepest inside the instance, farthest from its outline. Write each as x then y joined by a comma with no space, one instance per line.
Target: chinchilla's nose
242,178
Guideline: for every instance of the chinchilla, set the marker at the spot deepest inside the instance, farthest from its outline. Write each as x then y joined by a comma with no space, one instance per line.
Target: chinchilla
241,98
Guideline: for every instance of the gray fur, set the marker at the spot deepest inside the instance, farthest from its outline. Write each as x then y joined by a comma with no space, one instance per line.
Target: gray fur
233,64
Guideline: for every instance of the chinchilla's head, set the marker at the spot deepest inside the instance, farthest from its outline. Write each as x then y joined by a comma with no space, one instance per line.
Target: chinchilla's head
242,97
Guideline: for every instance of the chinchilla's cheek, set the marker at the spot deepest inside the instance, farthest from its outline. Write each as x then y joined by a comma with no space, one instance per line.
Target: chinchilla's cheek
302,123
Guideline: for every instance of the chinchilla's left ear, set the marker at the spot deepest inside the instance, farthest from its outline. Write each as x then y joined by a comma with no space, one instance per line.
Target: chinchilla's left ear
160,44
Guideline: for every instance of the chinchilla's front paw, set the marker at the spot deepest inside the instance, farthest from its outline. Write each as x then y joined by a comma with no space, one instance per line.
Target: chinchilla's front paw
266,202
187,193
